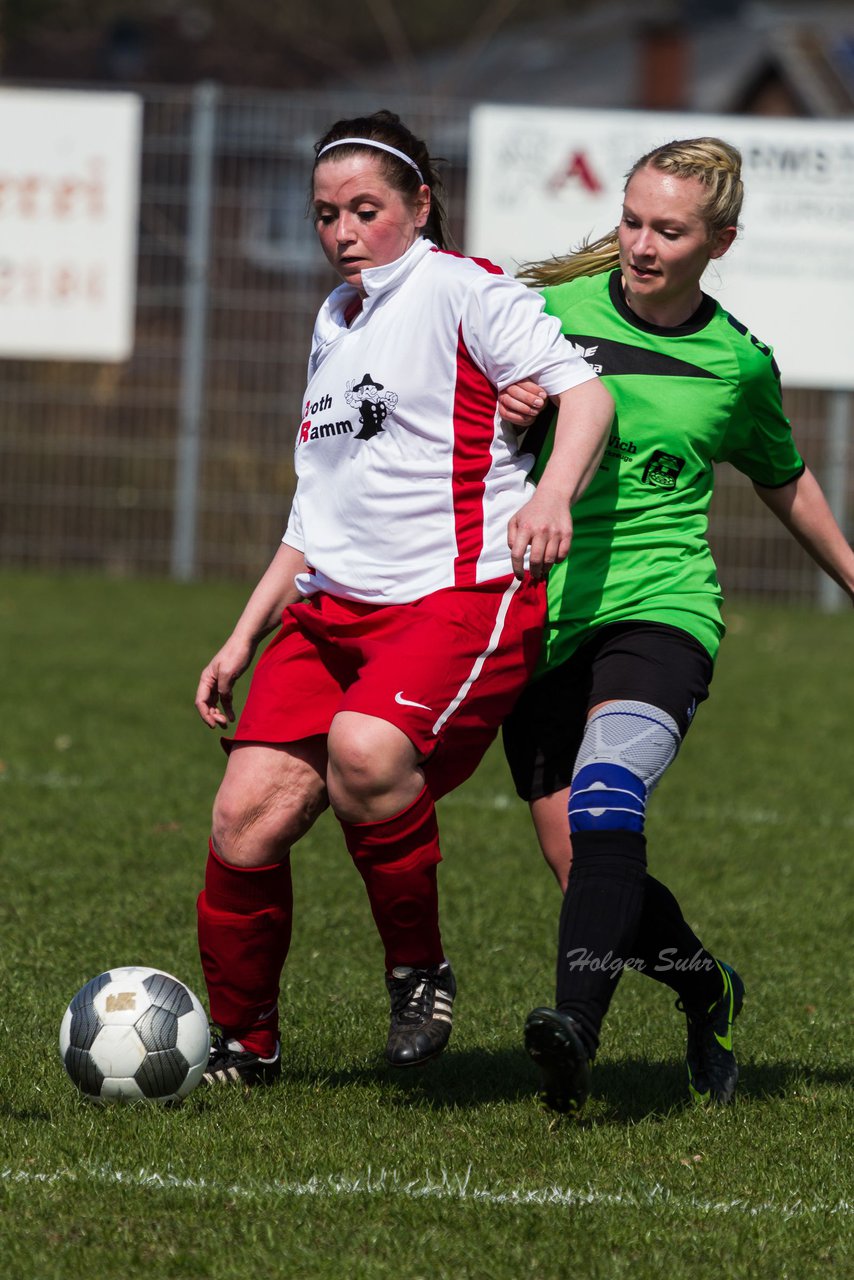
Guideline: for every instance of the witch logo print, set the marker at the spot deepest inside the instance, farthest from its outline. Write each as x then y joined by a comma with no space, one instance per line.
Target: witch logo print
373,402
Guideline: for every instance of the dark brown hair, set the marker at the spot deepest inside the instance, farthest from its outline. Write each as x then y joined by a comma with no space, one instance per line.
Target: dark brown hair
385,126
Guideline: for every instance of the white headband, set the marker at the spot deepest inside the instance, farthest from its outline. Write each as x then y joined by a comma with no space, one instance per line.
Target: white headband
369,142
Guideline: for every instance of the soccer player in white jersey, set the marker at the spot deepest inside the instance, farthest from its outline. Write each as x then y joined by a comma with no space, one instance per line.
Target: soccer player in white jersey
409,589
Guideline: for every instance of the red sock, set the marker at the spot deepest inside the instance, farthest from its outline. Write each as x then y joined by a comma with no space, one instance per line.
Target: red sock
397,860
244,917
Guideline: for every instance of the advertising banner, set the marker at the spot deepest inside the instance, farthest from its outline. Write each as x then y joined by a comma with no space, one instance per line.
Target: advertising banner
69,207
542,180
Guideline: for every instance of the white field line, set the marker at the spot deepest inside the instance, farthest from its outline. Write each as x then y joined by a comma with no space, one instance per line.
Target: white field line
447,1186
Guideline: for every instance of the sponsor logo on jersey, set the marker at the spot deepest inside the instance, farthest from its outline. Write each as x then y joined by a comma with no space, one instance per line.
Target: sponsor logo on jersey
663,470
618,448
308,431
587,354
615,358
319,406
373,403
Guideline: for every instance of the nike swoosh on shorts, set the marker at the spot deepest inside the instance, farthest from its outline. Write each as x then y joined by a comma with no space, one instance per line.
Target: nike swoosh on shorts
405,702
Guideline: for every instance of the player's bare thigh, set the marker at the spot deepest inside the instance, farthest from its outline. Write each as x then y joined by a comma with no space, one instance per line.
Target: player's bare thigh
269,797
552,824
552,827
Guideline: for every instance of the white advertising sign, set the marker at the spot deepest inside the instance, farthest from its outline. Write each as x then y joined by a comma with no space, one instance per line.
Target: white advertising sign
69,200
542,180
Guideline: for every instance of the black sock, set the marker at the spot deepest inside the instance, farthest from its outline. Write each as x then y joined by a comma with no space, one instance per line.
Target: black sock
598,922
671,952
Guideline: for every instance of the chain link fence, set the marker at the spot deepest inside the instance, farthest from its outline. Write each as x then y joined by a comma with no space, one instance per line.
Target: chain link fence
179,461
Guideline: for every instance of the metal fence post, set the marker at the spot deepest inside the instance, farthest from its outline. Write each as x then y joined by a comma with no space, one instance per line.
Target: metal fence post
832,598
197,262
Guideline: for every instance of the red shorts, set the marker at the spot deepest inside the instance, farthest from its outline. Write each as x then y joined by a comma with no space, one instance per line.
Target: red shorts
445,670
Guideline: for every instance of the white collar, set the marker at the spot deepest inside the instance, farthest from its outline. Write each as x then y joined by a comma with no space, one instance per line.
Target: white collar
377,280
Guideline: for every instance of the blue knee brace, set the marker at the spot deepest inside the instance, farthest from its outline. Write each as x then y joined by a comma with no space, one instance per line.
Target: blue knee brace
625,750
605,797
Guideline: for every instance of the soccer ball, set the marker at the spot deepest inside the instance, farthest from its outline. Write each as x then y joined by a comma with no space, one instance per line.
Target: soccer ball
134,1033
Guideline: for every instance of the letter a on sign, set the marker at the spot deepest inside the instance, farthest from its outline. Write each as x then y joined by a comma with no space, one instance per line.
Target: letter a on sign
578,169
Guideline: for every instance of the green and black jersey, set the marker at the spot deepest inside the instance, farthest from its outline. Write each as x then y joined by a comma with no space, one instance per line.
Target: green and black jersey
686,398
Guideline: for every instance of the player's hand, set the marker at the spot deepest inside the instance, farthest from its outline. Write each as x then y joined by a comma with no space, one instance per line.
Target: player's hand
217,682
520,403
545,526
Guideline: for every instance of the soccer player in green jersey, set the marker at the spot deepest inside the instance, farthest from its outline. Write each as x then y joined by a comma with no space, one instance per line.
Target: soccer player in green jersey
634,612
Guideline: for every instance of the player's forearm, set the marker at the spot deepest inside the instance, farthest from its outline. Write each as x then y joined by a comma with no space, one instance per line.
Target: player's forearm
274,592
584,418
803,509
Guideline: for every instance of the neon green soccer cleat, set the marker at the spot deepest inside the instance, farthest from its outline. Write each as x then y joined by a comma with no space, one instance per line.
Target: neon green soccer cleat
712,1068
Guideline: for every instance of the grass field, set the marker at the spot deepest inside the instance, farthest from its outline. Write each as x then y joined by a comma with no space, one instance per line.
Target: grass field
346,1170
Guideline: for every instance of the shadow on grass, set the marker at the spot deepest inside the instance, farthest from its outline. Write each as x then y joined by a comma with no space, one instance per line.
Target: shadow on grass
26,1115
471,1078
466,1078
626,1092
788,1079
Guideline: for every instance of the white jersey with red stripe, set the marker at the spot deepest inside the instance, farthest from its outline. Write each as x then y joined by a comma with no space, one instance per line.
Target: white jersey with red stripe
406,475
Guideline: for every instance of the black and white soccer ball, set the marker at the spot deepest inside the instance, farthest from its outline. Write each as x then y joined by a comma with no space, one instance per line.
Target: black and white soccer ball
134,1033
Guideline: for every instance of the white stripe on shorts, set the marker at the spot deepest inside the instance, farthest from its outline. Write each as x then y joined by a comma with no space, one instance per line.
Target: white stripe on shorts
492,645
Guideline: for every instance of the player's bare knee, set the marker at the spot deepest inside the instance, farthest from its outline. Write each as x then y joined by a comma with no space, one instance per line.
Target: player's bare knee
366,759
236,833
268,799
262,830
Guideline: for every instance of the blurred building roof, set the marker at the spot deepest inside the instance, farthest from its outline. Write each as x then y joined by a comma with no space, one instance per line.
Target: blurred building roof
778,59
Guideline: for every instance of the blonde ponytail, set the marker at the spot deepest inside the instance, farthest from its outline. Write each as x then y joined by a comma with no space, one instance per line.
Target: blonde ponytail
588,259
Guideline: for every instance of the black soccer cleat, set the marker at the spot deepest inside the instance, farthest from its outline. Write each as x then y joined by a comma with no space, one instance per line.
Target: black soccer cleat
230,1063
421,1013
712,1068
553,1042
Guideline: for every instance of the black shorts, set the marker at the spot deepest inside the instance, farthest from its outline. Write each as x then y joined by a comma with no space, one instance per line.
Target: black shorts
636,661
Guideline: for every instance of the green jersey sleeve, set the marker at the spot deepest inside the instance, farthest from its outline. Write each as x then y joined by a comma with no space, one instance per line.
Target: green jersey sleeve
760,442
